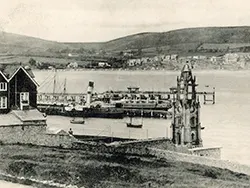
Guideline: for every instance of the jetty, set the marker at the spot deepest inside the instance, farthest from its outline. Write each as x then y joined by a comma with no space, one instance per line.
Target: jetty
115,103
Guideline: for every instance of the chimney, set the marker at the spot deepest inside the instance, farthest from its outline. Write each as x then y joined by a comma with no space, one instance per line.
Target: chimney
89,93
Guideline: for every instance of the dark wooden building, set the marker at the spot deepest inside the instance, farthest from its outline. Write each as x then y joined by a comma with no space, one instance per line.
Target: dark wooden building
4,93
18,89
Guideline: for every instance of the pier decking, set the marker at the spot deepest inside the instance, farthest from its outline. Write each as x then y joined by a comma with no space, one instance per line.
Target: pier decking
65,98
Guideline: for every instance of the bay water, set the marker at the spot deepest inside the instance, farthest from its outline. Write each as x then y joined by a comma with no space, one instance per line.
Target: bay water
227,123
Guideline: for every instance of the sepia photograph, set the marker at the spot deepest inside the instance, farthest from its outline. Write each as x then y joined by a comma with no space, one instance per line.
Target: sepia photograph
124,94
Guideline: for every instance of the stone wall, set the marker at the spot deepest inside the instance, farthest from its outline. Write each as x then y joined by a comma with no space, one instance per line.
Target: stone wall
201,160
36,135
56,140
214,152
21,133
135,147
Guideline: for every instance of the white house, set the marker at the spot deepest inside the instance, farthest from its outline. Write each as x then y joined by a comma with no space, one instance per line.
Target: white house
72,65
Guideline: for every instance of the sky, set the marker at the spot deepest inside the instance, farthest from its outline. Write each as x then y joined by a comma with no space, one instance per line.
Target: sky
104,20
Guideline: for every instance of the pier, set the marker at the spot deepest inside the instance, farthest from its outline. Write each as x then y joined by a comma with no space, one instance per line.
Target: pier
114,103
66,98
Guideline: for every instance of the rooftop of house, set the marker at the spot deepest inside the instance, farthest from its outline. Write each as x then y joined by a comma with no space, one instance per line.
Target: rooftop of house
29,115
21,117
56,131
9,69
9,120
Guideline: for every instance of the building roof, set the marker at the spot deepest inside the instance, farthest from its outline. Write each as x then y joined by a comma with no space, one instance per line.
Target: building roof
28,71
9,71
19,117
29,115
186,68
9,120
51,130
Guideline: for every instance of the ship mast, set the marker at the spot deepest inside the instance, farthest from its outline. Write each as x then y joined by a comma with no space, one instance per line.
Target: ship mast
64,87
142,116
54,84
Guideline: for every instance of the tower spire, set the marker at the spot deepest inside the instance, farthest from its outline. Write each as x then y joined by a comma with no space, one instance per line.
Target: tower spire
186,113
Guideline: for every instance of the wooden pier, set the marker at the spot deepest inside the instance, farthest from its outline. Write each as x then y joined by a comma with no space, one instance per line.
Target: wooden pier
65,98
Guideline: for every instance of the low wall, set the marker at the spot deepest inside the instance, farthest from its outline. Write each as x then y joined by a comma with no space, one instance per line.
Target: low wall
201,160
135,147
21,133
34,134
55,140
214,152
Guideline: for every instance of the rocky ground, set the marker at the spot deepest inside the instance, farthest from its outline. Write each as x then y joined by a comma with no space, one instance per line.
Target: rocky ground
76,167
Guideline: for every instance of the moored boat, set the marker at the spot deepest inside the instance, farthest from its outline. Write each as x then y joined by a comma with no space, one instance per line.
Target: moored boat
134,125
77,121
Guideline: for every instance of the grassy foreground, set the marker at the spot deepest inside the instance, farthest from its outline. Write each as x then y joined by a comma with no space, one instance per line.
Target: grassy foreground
84,169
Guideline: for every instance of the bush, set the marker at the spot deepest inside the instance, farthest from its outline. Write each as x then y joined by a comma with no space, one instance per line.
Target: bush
32,62
22,168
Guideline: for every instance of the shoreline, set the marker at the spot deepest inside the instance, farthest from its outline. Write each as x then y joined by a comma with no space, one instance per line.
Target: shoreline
143,71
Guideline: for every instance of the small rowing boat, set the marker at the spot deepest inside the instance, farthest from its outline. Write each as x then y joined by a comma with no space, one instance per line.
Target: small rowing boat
77,121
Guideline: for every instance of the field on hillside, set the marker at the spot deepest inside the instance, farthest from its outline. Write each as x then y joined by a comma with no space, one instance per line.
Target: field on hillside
25,59
181,41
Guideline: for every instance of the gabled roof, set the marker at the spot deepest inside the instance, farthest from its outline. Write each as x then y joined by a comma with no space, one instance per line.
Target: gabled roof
9,71
28,115
4,76
9,120
54,131
28,73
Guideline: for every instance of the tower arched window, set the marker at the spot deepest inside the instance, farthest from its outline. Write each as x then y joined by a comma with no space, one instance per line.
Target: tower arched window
193,136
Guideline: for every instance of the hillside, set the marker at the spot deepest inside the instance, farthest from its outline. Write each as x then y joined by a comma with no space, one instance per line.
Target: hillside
191,40
101,170
182,40
19,44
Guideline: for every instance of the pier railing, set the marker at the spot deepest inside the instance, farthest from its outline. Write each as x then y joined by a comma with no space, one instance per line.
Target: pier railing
208,96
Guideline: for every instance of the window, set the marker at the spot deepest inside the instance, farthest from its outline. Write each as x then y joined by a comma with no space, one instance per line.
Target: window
3,102
24,96
3,86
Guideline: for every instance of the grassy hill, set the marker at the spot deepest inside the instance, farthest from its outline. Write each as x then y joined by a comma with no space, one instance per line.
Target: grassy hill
101,170
201,40
183,41
186,40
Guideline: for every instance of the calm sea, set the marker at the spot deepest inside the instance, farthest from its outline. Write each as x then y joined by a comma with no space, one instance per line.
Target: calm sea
227,123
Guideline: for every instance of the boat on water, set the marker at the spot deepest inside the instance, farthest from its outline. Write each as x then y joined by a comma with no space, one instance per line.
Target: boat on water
82,111
135,125
77,121
84,106
97,109
104,105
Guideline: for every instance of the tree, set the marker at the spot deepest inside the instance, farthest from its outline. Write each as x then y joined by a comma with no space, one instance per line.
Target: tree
158,50
158,45
139,46
121,53
103,52
32,62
